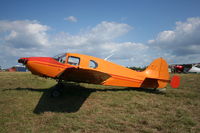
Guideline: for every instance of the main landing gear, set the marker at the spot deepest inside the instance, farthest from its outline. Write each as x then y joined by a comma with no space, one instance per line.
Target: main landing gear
57,90
163,90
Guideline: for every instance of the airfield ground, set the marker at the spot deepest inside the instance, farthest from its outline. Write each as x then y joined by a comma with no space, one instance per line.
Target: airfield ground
26,106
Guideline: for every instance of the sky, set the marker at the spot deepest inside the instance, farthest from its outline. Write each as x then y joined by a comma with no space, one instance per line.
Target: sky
134,32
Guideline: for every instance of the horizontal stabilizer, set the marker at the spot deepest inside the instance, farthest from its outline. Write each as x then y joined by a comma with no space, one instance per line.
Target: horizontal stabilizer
175,81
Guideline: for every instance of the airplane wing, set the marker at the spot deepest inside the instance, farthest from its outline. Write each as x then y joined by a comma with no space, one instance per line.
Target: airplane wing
83,75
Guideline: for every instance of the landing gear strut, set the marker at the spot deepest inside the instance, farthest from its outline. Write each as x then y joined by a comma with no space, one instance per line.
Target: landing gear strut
57,90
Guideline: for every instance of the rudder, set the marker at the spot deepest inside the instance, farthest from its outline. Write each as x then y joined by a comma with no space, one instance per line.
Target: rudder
158,72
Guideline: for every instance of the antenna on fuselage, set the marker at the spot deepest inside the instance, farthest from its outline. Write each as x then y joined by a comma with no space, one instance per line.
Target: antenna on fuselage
109,56
112,53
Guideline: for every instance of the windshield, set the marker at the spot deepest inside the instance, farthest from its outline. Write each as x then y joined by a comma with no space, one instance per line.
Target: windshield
60,57
198,66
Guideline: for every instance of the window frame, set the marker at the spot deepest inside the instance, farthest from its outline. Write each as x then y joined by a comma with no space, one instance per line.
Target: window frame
60,58
94,62
72,63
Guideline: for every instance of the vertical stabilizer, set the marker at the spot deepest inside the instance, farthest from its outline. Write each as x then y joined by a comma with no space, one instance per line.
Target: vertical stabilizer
157,71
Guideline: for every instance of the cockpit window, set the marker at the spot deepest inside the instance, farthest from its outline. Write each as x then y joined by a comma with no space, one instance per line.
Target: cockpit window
93,64
198,66
73,60
60,58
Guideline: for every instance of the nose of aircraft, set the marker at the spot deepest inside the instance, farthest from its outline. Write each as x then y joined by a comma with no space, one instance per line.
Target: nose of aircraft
23,60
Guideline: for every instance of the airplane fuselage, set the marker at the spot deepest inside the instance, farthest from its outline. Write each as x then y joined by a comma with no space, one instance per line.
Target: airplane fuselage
88,69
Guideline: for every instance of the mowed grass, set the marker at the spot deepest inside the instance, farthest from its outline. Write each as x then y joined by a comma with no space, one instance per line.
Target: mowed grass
27,106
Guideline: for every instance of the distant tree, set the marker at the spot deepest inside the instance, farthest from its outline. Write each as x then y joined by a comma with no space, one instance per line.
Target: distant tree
138,68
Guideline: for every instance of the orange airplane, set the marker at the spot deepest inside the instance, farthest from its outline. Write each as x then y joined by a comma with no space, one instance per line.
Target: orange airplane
88,69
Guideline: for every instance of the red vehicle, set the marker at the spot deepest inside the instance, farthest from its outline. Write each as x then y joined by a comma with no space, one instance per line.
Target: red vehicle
179,68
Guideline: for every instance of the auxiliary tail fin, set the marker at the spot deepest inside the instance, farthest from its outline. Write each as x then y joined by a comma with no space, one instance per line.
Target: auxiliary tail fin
157,75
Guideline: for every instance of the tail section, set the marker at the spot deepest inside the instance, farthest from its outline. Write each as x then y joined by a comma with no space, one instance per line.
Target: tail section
158,69
157,75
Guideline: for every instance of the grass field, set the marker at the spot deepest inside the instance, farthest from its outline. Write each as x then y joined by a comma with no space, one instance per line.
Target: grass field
26,106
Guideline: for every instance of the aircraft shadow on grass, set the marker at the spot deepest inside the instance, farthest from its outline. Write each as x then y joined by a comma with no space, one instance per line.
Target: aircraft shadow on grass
72,98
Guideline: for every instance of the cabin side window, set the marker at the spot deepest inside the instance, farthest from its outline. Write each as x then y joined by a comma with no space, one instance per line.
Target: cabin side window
93,64
73,60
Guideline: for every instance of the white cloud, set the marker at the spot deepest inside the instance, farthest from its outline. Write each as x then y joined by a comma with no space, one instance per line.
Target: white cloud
21,38
109,30
103,32
166,36
71,19
21,34
99,41
30,38
182,42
